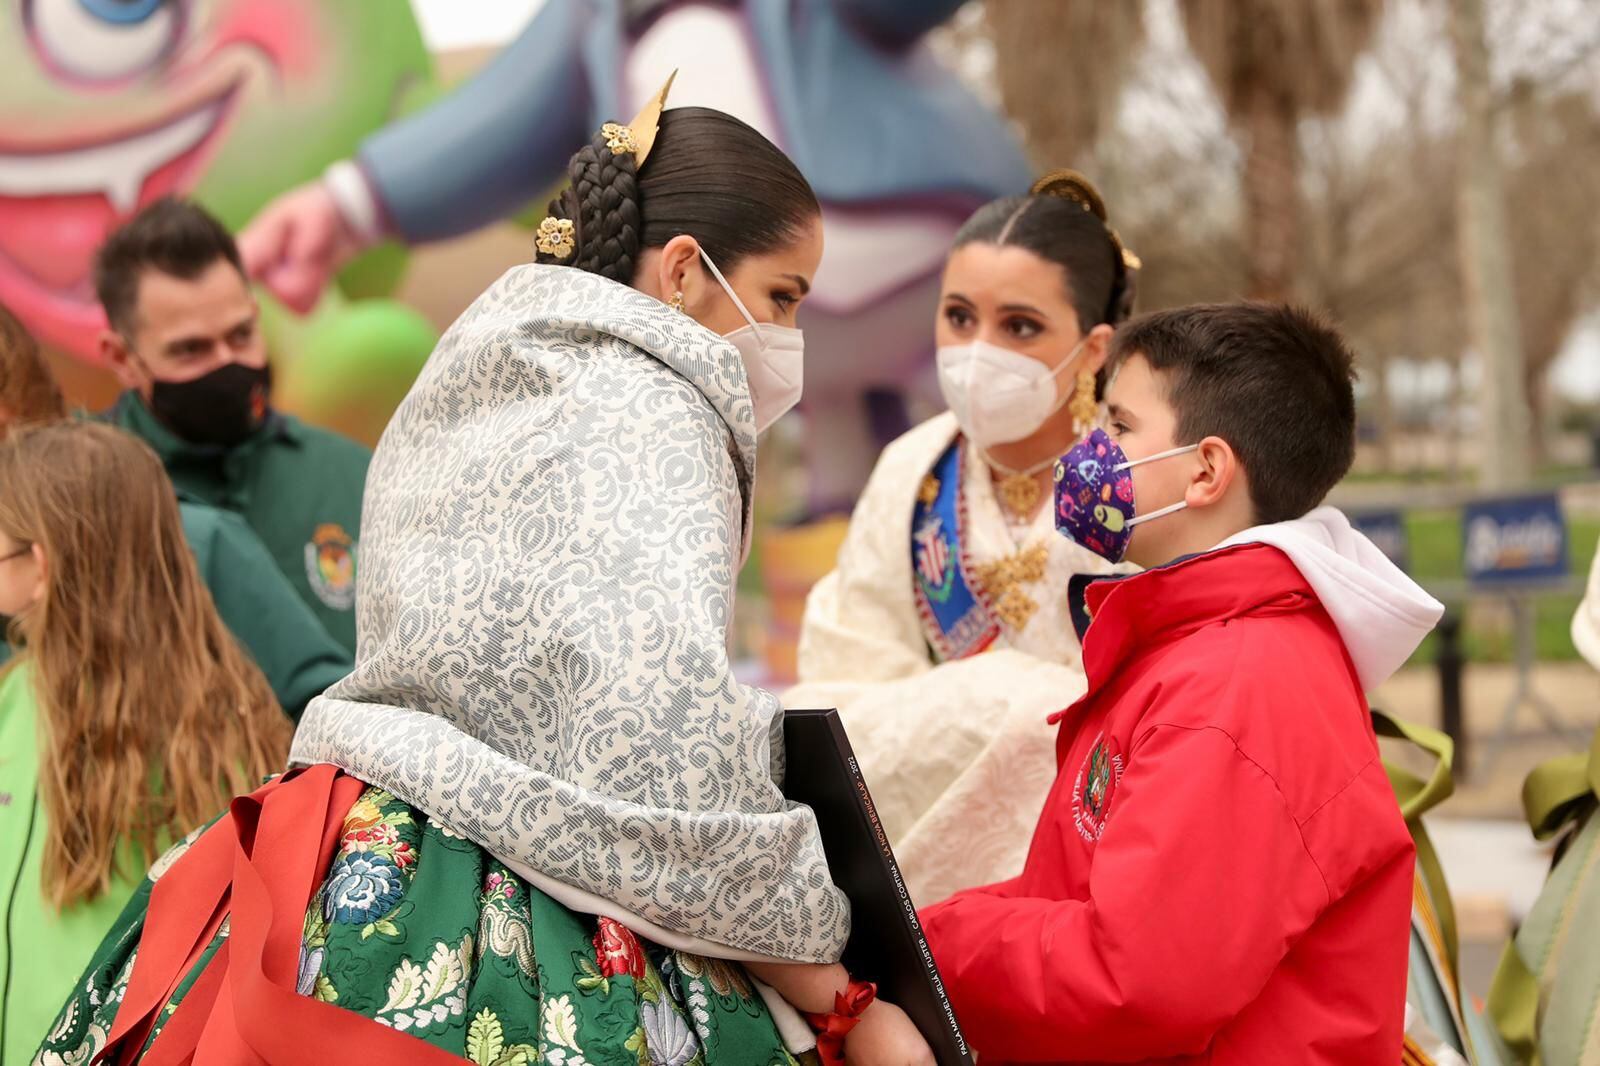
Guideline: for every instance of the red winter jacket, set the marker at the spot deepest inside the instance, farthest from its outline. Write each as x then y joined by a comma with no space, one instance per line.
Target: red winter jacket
1221,874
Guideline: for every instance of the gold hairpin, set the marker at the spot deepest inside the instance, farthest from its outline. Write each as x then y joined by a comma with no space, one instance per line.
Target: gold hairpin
556,237
1129,260
648,121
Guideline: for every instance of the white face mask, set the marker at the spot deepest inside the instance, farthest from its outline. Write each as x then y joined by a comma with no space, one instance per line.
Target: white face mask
774,358
998,395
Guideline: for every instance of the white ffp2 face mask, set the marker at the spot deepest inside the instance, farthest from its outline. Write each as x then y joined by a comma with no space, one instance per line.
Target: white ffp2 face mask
773,355
998,395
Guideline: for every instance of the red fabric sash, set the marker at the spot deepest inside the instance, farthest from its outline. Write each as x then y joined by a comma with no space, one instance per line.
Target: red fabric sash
260,865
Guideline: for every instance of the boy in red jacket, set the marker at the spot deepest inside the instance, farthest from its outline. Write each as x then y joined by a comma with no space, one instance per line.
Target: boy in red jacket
1221,874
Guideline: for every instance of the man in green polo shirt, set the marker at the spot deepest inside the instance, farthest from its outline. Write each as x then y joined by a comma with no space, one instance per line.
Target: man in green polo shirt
282,634
185,344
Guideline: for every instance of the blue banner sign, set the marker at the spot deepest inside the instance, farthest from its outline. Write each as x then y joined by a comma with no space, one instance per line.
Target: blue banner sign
1387,530
1522,540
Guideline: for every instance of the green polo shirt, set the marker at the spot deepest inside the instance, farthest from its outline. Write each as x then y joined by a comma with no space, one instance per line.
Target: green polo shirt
298,487
265,613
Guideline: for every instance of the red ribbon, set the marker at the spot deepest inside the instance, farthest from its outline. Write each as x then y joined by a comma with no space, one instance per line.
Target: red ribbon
832,1028
261,865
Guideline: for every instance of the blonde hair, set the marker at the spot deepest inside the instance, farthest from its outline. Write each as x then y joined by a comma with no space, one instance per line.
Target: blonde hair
151,715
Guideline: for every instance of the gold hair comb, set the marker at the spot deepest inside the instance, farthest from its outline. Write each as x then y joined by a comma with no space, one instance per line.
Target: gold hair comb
1072,186
639,136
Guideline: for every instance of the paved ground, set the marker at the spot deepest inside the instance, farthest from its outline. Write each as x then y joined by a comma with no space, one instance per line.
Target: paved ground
1493,785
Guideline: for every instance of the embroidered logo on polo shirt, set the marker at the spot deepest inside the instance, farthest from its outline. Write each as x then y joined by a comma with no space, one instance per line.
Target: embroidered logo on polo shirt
1095,787
331,566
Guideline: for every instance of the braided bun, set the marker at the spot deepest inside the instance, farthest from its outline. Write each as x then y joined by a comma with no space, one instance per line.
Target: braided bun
602,200
1073,187
752,201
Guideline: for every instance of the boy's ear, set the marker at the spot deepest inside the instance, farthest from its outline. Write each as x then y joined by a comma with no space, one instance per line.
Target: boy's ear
1214,474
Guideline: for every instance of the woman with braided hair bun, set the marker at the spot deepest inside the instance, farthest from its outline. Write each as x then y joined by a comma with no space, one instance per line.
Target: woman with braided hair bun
541,819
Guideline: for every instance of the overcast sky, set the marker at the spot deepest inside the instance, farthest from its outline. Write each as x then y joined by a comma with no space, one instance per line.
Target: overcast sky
448,24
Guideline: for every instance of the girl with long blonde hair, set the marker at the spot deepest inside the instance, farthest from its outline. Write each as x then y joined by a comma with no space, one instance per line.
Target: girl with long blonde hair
130,715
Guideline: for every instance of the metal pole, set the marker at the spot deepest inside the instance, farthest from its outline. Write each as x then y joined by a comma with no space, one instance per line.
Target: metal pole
1450,662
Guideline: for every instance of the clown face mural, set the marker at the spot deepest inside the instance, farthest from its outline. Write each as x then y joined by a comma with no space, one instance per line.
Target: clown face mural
106,105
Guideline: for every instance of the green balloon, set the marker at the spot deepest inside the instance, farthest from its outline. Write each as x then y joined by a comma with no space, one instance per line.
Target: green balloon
357,363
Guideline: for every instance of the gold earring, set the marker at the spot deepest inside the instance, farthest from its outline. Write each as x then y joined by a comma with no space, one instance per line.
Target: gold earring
676,303
1083,405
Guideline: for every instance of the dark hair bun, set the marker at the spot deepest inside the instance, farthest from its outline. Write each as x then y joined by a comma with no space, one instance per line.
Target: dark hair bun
1073,187
707,176
602,200
1124,289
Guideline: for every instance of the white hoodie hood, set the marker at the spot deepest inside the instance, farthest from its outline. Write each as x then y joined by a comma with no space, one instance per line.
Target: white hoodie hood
1586,623
1381,613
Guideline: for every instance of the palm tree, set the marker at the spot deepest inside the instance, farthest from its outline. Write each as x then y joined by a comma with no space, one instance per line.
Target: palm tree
1274,62
1060,66
1486,261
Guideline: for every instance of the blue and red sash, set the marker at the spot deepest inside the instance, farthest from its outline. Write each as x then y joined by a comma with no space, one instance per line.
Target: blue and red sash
955,619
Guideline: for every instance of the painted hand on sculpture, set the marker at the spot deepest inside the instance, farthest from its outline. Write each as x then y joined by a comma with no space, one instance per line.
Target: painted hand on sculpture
297,243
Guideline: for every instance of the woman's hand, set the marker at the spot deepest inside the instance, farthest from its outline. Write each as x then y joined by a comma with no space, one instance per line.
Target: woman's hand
883,1036
886,1037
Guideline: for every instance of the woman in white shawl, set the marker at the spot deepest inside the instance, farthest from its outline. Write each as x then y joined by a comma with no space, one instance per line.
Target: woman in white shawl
541,820
943,633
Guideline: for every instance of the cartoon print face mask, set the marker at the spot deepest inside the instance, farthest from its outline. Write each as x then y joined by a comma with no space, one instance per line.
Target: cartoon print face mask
1094,494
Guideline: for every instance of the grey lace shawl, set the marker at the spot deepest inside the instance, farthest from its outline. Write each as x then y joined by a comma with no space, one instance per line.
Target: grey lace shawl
552,526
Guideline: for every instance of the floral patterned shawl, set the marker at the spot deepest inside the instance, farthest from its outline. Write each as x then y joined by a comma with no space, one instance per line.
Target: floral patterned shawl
551,531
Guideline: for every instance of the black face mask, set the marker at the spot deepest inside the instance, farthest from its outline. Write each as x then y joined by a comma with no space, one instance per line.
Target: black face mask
220,408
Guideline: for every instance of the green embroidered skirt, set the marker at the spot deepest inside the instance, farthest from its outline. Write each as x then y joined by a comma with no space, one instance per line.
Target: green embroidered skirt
421,931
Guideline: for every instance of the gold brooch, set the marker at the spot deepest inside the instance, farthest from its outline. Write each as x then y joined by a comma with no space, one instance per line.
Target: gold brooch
928,492
556,237
1020,494
1004,579
619,138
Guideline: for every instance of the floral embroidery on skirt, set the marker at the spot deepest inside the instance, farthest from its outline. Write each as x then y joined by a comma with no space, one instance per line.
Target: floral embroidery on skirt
423,931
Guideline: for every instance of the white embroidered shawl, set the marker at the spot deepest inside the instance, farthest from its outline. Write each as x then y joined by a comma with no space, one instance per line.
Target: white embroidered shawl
551,530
